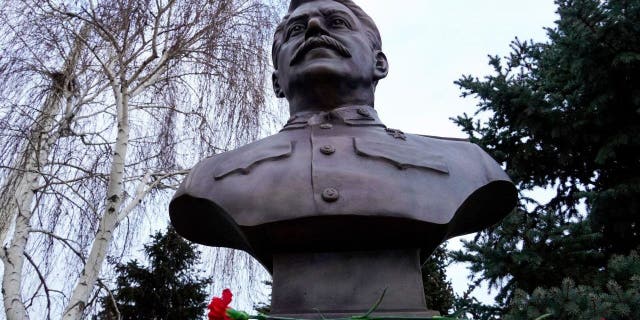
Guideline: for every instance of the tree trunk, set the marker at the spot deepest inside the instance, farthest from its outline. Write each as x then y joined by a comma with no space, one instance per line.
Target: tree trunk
25,180
109,221
20,211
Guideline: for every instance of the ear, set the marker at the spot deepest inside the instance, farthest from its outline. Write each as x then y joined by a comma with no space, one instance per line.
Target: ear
276,86
382,66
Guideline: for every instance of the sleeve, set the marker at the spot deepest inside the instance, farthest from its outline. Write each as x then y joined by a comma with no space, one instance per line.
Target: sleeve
199,218
489,203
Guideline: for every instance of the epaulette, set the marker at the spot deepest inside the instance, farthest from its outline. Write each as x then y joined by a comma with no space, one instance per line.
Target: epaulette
445,138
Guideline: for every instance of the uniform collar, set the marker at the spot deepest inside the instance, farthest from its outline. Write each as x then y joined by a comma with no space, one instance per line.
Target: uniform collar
350,115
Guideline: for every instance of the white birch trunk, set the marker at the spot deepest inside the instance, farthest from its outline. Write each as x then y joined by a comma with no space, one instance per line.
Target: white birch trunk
16,211
20,209
109,221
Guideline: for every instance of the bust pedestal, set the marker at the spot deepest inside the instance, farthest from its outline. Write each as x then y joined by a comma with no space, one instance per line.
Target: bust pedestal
344,284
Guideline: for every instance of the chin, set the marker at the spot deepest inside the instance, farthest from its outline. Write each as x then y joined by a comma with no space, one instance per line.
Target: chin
322,69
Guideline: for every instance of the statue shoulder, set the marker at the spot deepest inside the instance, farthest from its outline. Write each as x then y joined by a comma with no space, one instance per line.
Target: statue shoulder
211,169
464,155
242,159
443,138
444,144
198,174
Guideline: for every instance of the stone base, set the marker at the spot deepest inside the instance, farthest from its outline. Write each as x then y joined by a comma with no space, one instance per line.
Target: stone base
345,284
385,315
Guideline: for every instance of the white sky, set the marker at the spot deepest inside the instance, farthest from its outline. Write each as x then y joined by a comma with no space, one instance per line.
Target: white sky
429,45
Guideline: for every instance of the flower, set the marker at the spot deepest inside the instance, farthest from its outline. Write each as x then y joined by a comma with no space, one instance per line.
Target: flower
218,306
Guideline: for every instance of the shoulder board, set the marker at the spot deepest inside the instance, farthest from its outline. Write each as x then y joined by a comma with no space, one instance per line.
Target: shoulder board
445,138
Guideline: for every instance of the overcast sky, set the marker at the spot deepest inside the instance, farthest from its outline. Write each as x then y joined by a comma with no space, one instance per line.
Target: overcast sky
429,45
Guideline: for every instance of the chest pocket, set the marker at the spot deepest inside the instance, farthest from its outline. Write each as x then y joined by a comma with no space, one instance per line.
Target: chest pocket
244,159
402,156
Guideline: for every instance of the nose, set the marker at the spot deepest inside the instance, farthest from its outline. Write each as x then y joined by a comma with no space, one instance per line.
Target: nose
315,28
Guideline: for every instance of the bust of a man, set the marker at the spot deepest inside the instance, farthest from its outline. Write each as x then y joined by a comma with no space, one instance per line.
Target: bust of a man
336,205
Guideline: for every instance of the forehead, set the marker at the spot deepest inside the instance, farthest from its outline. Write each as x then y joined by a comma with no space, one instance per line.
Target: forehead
320,7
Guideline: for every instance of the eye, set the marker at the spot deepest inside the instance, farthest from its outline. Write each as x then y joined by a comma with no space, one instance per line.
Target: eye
339,23
296,28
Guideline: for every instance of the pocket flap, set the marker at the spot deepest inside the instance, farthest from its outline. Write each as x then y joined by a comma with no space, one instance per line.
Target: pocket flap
403,156
241,160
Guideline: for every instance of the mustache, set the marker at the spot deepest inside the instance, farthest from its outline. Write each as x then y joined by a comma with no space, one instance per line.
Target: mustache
323,41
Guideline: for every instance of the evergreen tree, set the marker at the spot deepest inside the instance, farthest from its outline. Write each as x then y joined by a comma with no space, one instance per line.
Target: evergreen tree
614,295
565,115
168,288
437,290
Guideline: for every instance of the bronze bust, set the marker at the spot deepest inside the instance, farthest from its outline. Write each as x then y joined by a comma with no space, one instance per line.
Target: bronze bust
336,195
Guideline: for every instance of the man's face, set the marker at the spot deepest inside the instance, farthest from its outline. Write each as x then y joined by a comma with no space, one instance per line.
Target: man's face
324,40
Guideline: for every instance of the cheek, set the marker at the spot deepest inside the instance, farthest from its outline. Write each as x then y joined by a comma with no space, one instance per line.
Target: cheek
283,68
285,54
362,48
364,57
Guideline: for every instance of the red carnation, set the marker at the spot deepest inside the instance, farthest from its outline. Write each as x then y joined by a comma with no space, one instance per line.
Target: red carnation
218,306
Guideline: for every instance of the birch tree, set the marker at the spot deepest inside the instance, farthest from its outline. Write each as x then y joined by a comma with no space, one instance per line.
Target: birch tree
104,105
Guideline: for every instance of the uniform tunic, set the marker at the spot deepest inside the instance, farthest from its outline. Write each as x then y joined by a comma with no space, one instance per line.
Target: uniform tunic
341,180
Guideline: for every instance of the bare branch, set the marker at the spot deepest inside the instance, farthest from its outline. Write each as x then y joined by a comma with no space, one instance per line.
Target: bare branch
72,151
43,281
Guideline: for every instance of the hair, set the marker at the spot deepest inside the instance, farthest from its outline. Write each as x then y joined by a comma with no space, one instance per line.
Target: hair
370,26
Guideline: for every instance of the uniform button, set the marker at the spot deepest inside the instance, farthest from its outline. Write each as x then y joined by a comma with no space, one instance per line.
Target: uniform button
326,126
330,195
364,112
327,149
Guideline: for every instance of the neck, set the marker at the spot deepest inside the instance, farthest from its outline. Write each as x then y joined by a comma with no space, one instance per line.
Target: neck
329,96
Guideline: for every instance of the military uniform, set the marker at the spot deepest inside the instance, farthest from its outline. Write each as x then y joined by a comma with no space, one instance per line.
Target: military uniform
359,184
